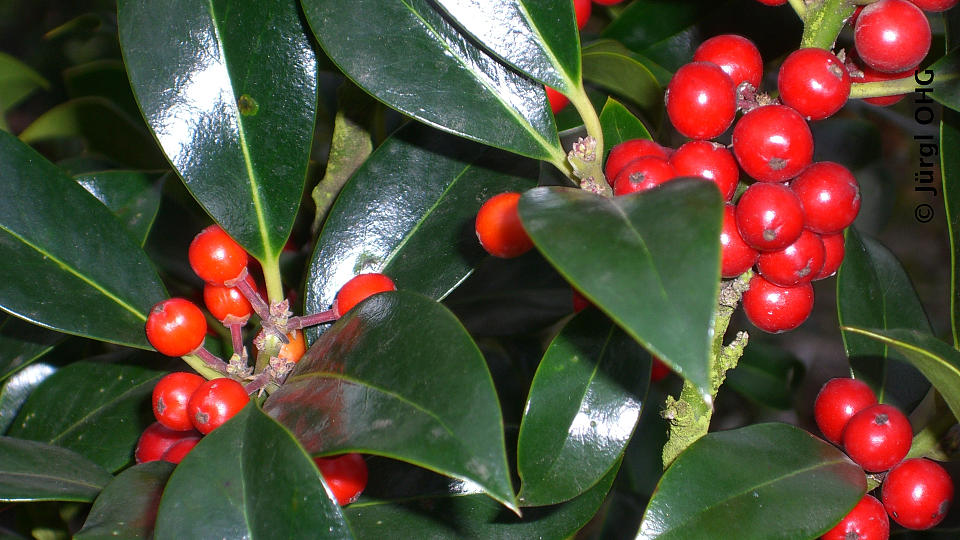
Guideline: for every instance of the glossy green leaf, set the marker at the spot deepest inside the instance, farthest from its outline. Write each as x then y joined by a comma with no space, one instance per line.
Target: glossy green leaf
132,195
406,502
767,374
409,56
874,291
248,479
761,481
21,343
950,172
391,378
17,389
127,506
67,261
612,66
946,79
106,79
537,37
939,362
33,471
17,81
620,125
230,91
584,404
418,194
96,410
661,29
660,258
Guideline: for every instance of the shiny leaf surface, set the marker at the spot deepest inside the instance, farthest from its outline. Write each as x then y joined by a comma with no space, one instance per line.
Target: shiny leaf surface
619,125
768,375
33,471
950,172
229,90
660,258
762,481
96,410
127,506
408,55
584,404
67,261
344,396
248,479
417,194
874,291
612,66
16,390
21,343
946,79
131,195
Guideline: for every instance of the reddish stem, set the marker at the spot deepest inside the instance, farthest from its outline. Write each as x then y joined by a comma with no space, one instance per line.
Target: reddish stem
257,383
236,335
210,359
296,323
252,296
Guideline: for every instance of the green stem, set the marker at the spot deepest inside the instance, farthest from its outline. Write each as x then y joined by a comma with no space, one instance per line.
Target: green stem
581,102
202,368
800,7
883,88
271,275
823,23
586,156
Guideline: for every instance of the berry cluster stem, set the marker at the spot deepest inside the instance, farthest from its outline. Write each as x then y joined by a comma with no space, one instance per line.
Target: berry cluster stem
800,7
823,22
586,156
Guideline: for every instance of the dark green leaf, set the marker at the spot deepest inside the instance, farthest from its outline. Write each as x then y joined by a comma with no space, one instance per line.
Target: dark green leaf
661,28
248,479
584,404
873,291
418,194
103,78
33,471
132,195
97,410
17,81
67,261
762,481
939,362
230,91
537,37
16,390
612,66
950,171
850,141
620,125
660,256
406,502
946,79
767,374
409,56
21,343
127,506
363,386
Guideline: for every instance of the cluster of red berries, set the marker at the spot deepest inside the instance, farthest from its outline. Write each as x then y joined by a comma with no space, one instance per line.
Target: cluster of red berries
915,492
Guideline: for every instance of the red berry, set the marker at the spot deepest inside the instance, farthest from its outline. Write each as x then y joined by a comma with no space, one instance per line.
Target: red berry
814,82
872,75
176,327
358,289
877,437
628,151
607,2
772,2
708,160
215,402
658,370
170,398
499,228
293,350
892,35
642,174
769,216
701,100
580,302
773,143
917,493
934,5
736,257
582,9
795,264
216,257
833,255
776,309
736,55
867,521
177,452
157,439
223,301
557,100
829,195
838,400
345,475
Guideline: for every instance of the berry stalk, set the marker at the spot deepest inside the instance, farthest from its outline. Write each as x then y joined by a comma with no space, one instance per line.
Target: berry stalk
822,24
586,156
895,87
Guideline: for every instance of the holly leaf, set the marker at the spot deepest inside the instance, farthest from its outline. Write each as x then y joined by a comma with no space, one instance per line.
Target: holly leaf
620,125
131,195
22,343
17,388
34,471
127,506
609,64
768,375
17,81
950,172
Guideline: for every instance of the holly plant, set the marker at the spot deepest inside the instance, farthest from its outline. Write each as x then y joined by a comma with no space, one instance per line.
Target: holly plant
457,269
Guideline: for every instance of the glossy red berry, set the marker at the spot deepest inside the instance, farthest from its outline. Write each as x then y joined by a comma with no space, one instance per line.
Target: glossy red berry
868,74
214,402
797,263
736,257
814,82
642,174
867,521
934,5
917,493
708,160
877,437
170,397
345,475
216,257
157,439
628,151
358,289
736,55
892,35
833,255
582,9
701,100
773,143
499,228
557,100
177,452
223,301
836,403
829,195
769,216
776,309
176,327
